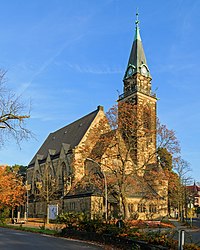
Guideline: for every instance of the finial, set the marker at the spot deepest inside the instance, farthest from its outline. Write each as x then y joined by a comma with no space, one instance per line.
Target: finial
137,19
137,32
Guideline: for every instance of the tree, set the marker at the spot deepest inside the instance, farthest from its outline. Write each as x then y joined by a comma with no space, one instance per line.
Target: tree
182,168
167,141
12,190
19,170
12,114
165,159
128,153
166,162
46,186
176,169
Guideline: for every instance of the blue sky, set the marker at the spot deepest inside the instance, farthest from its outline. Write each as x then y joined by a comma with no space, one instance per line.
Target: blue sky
69,56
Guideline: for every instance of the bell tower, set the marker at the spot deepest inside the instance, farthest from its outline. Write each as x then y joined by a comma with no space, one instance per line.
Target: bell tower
137,90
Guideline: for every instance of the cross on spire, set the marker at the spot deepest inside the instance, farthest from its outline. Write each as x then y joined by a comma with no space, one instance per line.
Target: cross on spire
137,29
137,19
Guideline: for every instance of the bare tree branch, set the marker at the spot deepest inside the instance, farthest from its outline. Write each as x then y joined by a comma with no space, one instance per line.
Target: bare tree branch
13,114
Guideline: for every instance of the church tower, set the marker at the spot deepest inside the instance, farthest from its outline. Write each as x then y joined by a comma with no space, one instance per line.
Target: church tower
137,90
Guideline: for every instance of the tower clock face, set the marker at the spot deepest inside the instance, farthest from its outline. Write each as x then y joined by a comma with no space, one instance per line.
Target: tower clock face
130,72
144,70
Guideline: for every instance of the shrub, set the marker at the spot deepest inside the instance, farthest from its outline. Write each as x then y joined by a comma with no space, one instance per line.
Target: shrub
191,247
130,230
4,214
70,219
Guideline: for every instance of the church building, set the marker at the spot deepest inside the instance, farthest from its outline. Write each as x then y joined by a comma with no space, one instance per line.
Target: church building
98,170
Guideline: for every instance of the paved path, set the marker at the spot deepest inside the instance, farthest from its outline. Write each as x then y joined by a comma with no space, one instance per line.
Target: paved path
192,235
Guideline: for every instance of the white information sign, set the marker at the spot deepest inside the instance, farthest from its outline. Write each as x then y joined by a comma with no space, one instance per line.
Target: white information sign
53,211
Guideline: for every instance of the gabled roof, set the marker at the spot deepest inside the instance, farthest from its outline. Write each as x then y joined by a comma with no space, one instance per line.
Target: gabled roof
69,135
102,144
87,185
194,188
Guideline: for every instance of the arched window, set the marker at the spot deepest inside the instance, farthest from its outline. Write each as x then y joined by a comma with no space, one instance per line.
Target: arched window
37,175
141,208
152,208
37,181
64,178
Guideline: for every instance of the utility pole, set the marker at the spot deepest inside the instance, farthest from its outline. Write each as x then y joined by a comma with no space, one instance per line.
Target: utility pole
106,195
47,199
28,188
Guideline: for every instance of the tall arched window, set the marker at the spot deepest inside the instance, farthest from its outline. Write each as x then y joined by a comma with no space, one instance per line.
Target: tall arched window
64,179
37,181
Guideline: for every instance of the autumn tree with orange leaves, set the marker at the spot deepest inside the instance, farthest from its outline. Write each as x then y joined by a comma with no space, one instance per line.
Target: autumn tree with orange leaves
176,170
12,190
118,151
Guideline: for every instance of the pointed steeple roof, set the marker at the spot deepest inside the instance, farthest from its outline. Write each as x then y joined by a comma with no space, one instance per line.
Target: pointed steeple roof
137,56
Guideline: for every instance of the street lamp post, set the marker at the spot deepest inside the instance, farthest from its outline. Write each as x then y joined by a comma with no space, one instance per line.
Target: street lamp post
106,195
191,210
106,188
28,188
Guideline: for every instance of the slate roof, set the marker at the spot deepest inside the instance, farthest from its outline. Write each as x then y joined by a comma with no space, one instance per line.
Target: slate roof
137,55
69,136
101,145
194,189
86,186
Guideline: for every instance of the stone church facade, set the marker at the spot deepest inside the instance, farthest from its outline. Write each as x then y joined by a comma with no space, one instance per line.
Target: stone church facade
62,172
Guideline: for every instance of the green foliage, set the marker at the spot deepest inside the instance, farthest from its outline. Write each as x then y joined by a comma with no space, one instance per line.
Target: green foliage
191,247
91,225
160,238
20,170
100,227
42,227
82,222
70,219
4,214
165,158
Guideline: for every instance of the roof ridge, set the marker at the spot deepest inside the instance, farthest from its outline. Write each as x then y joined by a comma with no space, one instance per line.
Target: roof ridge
70,134
76,121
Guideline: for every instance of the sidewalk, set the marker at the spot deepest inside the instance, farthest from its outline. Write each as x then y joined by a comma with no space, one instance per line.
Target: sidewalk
38,223
182,226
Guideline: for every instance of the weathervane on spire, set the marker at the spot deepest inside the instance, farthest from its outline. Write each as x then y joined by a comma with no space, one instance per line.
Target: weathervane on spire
137,19
137,29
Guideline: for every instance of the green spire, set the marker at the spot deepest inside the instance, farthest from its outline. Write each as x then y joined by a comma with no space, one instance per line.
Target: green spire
137,59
